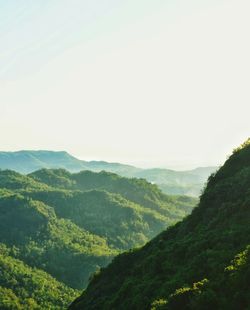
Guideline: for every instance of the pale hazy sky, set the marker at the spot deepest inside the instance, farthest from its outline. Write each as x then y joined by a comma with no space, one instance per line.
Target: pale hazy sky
155,83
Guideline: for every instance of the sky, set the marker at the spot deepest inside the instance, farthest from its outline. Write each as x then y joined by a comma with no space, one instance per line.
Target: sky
146,82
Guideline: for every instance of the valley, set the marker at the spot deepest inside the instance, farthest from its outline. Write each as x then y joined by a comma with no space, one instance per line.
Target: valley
58,229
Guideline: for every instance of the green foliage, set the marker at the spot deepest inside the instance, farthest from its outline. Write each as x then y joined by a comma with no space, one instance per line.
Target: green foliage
8,299
13,181
135,190
185,267
124,223
23,287
170,181
58,246
60,228
159,304
128,212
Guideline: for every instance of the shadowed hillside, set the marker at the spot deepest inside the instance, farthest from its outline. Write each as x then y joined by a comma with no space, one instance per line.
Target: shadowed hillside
200,263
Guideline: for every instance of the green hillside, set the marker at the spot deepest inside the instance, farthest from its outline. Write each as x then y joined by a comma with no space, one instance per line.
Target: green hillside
136,190
55,245
123,223
171,182
200,263
65,227
128,212
23,287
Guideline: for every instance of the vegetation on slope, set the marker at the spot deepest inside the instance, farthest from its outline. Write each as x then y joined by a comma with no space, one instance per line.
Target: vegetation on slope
123,223
229,289
171,182
138,191
186,266
58,246
128,212
57,224
23,287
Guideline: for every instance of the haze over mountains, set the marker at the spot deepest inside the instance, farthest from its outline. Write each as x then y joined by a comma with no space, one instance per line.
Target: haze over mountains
61,229
189,182
151,95
202,262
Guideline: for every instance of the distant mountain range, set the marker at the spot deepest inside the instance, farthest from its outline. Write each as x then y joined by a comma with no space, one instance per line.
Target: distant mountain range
201,263
189,182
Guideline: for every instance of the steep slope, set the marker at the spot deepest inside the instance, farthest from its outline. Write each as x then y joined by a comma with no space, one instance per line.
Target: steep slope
59,224
123,223
23,287
67,252
229,289
184,267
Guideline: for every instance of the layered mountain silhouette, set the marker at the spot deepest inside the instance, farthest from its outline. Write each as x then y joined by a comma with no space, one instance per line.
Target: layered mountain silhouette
171,182
202,262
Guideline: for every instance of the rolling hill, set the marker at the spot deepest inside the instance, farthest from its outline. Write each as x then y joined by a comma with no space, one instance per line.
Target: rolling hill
190,182
58,228
28,161
170,181
200,263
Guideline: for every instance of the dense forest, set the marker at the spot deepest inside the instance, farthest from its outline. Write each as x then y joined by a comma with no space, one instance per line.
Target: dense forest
58,229
199,263
172,182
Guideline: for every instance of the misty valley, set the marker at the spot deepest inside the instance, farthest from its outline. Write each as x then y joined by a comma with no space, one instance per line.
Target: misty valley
99,240
59,228
124,175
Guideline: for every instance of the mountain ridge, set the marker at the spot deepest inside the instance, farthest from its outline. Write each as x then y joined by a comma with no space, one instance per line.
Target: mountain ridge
66,226
188,266
188,182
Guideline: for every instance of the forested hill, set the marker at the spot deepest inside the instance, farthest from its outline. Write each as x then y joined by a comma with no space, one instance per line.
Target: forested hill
139,191
171,182
200,263
58,228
